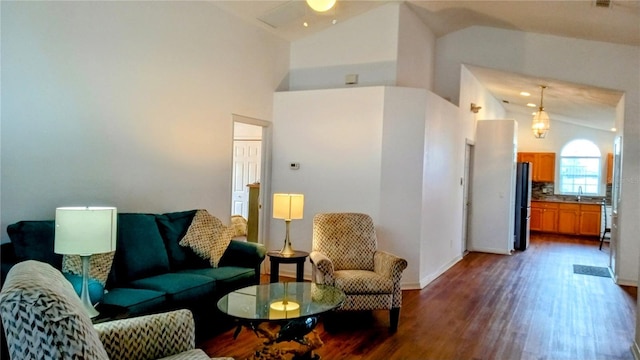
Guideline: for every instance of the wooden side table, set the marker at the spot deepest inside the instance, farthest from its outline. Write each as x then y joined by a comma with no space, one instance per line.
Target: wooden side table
275,258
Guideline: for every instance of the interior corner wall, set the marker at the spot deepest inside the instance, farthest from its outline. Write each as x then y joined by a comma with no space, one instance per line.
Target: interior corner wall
365,46
127,104
416,51
516,51
472,91
402,176
443,158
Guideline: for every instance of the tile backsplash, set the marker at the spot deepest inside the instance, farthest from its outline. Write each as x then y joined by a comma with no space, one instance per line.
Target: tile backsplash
545,191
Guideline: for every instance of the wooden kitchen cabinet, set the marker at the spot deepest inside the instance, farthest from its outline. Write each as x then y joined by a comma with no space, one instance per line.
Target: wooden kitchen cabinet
590,219
544,216
543,164
568,218
609,168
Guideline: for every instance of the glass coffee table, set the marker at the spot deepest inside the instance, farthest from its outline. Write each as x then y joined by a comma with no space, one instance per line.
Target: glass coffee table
282,312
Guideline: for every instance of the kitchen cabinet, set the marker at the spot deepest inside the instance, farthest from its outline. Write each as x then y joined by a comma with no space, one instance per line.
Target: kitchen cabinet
609,168
544,216
544,165
590,219
566,218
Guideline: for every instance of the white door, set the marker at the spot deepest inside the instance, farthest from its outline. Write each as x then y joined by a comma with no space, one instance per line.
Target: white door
246,170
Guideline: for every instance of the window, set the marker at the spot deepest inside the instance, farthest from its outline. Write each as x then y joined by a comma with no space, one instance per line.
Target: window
580,168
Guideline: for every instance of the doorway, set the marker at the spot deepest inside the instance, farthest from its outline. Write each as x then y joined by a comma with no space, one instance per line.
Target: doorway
466,182
248,170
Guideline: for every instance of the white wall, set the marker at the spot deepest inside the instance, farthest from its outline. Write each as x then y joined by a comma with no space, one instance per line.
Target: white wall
386,151
336,136
610,66
441,236
416,51
127,104
365,45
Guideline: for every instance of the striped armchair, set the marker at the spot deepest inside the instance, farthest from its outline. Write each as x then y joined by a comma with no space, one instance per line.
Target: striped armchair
44,319
345,255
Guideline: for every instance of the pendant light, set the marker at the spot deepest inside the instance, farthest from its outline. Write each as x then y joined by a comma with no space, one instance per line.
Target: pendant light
540,125
321,5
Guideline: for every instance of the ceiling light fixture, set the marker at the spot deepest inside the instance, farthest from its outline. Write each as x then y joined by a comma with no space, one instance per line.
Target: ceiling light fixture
540,125
524,93
321,5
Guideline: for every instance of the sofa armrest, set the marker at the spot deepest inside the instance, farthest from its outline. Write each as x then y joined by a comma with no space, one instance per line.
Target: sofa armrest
8,258
244,254
148,337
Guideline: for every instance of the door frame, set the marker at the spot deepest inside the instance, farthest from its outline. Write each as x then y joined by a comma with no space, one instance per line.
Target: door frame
265,169
467,190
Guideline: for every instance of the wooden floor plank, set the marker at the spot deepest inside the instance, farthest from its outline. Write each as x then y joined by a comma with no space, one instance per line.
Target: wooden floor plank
526,306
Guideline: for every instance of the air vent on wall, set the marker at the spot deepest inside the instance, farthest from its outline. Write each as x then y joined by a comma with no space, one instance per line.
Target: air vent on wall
603,3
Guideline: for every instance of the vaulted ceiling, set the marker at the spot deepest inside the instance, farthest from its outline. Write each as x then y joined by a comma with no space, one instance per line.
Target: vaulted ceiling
614,21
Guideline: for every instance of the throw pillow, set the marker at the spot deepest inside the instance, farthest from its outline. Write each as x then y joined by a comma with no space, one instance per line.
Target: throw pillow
208,237
99,266
96,290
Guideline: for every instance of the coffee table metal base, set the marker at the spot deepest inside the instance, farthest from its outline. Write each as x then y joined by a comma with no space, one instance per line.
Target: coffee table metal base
296,337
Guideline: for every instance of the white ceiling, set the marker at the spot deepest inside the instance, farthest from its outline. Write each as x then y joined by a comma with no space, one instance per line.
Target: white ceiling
594,107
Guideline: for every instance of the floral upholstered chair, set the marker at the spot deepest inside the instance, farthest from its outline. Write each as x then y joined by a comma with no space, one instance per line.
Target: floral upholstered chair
345,255
44,319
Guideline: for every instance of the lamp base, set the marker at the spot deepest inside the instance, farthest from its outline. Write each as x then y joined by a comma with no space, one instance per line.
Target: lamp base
84,295
287,250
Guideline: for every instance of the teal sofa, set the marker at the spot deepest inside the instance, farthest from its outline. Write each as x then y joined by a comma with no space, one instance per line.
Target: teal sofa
151,272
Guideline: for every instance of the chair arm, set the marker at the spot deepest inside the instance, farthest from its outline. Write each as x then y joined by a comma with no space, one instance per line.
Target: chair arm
321,268
148,337
389,265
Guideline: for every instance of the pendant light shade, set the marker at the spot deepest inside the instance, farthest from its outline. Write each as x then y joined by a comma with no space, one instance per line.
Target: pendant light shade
321,5
540,125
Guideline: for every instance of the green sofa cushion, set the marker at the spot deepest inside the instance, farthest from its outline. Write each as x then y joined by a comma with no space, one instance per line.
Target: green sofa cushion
140,250
173,226
179,287
137,301
34,240
228,278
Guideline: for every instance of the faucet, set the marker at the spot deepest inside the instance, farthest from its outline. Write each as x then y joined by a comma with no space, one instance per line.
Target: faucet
579,192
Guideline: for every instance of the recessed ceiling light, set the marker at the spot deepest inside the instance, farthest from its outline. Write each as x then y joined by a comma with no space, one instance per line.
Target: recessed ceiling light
614,129
524,93
305,24
532,105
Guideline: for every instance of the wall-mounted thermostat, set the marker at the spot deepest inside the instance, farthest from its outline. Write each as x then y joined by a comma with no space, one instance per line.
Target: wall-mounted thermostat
294,166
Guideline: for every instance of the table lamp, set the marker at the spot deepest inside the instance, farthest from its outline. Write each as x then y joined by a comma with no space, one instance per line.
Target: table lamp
85,231
287,207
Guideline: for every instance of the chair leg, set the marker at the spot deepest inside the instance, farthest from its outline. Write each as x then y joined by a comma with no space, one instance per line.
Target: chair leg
394,316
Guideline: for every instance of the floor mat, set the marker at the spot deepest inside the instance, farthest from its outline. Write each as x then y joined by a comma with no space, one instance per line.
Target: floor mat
591,270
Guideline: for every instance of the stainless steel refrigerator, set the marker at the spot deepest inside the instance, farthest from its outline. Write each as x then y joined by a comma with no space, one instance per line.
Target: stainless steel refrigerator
523,206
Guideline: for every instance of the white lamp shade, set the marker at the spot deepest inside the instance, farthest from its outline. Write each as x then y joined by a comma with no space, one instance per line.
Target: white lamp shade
288,206
85,230
321,5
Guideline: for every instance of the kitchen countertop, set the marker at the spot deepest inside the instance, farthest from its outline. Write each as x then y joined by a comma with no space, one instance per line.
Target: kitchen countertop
571,200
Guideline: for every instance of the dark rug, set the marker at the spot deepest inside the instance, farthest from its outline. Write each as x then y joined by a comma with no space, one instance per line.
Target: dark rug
591,270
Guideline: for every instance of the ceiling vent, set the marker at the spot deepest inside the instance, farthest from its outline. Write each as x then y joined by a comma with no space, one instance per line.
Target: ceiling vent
603,3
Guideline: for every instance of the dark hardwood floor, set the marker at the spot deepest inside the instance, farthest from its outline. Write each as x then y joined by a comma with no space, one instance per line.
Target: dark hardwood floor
526,306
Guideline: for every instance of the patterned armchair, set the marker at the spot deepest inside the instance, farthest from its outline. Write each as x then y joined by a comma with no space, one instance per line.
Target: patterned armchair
344,254
43,318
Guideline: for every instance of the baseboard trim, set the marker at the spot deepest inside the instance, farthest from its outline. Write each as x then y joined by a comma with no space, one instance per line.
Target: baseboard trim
441,270
635,350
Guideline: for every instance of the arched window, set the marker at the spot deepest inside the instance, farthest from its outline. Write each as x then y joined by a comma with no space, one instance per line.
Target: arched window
580,168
